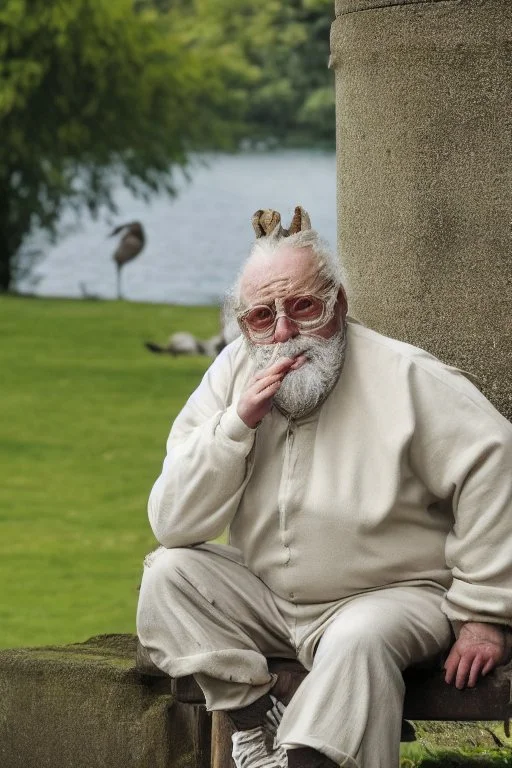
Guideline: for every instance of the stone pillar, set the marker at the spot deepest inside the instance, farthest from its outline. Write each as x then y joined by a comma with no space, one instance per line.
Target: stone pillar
424,132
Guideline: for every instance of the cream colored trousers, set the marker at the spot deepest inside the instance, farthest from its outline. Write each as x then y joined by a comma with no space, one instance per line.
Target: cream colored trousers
202,612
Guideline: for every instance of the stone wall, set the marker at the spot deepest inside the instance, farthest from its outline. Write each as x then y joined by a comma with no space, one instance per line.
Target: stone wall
86,706
424,131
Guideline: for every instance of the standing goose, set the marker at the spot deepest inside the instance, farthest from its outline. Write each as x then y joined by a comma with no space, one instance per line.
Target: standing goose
130,245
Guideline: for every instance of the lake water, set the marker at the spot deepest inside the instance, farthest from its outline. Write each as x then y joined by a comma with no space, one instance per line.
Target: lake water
196,241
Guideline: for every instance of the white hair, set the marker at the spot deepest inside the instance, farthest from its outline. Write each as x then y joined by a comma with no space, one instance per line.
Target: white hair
329,266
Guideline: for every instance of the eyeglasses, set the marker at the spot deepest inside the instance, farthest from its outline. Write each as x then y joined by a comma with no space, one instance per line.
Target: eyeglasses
309,313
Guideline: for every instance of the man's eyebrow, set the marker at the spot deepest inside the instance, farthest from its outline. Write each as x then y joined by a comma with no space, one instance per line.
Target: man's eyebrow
283,282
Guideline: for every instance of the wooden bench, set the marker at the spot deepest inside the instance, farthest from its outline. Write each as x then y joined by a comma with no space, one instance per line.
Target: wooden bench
427,697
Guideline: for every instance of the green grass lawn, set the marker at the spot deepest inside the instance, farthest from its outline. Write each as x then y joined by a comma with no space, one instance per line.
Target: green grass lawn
418,756
85,411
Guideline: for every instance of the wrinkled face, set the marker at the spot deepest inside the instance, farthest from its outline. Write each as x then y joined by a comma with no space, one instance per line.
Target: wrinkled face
276,281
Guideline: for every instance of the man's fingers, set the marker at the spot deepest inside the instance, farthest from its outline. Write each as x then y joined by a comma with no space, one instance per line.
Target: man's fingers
256,401
262,384
488,666
298,362
475,670
476,651
280,366
265,392
450,666
463,671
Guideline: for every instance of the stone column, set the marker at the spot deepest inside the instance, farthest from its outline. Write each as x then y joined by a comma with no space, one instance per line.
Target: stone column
424,131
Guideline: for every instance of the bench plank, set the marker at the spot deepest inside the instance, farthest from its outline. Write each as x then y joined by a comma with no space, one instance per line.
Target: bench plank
427,696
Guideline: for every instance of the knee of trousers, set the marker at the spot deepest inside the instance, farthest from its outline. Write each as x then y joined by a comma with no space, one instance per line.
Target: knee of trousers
350,643
163,581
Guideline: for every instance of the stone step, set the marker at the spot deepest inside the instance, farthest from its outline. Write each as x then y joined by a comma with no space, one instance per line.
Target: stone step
86,706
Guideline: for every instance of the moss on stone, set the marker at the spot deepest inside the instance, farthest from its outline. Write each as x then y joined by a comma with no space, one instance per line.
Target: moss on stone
457,745
461,735
86,706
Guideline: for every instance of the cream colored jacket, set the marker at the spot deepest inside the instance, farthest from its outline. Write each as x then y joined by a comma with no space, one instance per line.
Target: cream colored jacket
402,476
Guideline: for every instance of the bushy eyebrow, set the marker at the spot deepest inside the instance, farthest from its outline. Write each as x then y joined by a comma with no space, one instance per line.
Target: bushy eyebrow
282,289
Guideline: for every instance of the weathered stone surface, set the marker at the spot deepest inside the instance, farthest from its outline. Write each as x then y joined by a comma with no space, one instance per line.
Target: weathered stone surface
424,127
85,706
351,6
460,736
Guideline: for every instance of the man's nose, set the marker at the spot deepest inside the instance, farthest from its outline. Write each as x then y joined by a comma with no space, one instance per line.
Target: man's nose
285,329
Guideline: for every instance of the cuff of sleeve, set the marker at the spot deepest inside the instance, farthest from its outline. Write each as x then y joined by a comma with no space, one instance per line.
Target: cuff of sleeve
457,624
461,615
236,429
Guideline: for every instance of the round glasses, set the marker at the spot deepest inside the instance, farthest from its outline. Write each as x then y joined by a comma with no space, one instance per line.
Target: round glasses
309,313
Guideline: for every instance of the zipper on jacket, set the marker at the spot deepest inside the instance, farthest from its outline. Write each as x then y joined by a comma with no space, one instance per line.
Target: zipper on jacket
285,481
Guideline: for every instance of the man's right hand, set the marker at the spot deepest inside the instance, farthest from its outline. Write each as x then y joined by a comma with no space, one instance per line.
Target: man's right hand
256,401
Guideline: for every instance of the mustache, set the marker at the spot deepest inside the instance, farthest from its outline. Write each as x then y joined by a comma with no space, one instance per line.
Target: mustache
263,354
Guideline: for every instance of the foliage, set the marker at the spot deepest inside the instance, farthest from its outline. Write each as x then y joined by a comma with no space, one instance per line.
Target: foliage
457,745
94,90
290,95
85,414
492,758
97,91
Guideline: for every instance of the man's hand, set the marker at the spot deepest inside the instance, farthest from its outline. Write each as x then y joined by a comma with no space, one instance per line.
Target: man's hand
478,649
256,401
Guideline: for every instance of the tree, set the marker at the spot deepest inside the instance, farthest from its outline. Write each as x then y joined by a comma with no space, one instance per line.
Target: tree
295,99
289,97
93,90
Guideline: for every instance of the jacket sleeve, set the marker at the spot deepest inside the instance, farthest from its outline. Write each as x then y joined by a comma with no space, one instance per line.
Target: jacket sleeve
206,467
462,449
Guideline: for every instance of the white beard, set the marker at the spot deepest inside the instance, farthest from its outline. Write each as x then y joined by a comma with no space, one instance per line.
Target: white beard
304,389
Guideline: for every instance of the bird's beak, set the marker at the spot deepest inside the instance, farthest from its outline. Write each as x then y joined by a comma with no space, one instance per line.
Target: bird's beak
118,229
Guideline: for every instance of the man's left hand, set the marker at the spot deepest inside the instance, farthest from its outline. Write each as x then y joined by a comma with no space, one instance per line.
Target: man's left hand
478,649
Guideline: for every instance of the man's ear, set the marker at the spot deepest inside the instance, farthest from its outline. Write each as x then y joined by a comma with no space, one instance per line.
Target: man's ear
342,303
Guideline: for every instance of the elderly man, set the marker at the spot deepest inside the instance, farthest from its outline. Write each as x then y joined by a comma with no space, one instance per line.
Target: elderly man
366,488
